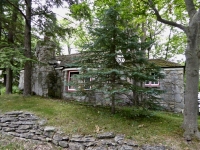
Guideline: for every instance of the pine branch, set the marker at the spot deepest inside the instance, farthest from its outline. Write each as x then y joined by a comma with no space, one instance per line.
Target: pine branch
17,9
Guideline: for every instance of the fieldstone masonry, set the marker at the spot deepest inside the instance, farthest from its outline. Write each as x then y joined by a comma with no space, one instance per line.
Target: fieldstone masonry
173,87
28,126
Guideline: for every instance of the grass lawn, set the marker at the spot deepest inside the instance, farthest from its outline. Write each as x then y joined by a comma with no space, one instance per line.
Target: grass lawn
77,118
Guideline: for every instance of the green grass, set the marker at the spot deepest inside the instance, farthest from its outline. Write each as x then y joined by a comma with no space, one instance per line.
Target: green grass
78,118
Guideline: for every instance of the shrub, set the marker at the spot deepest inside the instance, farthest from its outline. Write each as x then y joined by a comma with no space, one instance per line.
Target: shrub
3,90
15,90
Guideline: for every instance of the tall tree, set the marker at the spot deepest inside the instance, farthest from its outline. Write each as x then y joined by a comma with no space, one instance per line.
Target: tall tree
114,56
46,23
11,32
27,50
192,53
1,30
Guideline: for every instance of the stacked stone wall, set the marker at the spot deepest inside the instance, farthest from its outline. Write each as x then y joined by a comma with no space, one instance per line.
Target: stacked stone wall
28,126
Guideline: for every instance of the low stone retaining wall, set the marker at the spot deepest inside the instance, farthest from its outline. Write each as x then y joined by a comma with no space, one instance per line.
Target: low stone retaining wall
28,126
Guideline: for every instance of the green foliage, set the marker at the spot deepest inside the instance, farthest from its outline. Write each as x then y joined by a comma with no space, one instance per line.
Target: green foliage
135,112
3,90
114,57
10,52
15,90
81,11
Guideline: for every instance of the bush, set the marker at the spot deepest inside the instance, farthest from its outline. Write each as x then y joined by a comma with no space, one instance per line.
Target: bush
135,112
15,90
3,90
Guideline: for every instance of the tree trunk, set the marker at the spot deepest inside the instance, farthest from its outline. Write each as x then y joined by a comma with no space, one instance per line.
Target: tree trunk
9,79
190,123
27,51
190,111
1,12
9,72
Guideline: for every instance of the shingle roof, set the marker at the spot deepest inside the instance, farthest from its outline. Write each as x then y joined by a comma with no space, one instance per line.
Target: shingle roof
66,60
164,63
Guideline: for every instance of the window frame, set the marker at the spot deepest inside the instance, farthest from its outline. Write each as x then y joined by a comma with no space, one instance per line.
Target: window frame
68,79
152,83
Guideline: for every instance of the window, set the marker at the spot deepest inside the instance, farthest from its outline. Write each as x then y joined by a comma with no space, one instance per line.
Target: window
152,83
74,82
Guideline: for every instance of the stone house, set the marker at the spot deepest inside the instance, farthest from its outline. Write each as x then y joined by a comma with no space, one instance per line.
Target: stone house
172,84
51,75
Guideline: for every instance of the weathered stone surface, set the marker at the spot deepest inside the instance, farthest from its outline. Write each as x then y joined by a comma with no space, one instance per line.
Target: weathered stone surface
24,127
14,113
36,137
98,148
13,125
88,139
63,144
108,142
55,142
49,129
4,125
28,113
8,119
17,122
76,138
153,148
65,138
119,138
106,135
21,131
6,129
126,147
88,144
35,131
76,146
57,137
42,122
24,123
13,134
27,135
49,139
48,134
130,143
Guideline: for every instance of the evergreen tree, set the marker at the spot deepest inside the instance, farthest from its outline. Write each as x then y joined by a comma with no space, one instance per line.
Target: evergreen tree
10,43
114,58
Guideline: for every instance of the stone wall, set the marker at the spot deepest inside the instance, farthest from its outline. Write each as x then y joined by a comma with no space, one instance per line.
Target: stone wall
172,98
28,126
46,80
173,87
